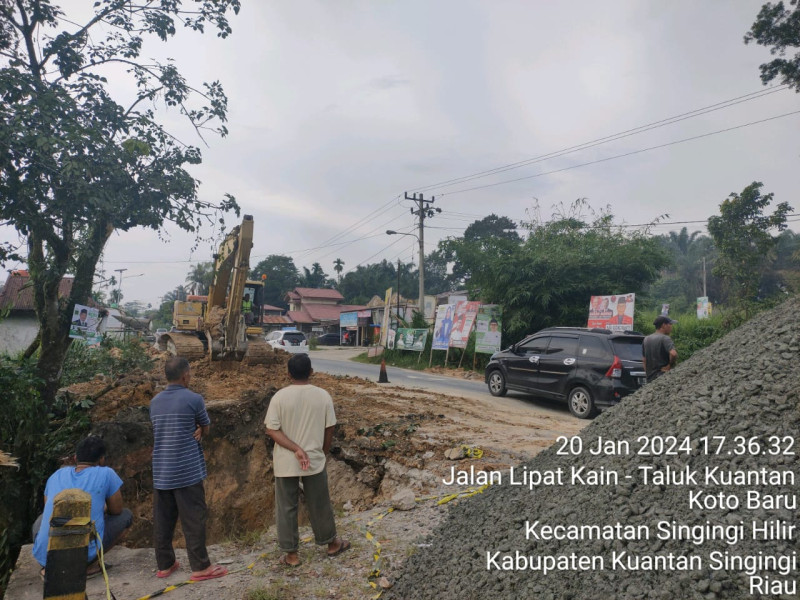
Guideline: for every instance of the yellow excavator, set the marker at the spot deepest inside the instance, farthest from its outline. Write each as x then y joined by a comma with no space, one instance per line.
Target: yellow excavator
226,324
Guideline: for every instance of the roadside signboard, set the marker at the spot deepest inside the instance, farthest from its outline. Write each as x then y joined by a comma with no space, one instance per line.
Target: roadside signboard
411,339
488,328
614,312
443,326
463,319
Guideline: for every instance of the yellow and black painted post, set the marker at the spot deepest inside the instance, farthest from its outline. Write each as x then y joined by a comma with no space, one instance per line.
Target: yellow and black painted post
68,547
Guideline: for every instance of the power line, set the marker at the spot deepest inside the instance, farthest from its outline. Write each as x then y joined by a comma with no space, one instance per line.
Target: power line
617,136
601,160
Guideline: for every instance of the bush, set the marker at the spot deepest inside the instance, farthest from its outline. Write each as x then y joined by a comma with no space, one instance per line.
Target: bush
112,358
37,440
692,334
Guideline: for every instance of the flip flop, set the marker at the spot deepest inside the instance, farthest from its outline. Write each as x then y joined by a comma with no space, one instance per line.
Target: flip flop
286,563
216,572
167,572
343,545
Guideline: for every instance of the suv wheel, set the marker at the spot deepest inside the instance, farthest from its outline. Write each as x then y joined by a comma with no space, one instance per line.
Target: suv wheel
497,383
580,403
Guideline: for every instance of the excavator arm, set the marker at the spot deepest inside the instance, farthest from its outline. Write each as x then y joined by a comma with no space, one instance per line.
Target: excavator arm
231,266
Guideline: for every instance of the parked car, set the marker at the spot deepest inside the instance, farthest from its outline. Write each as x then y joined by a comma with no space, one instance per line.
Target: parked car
329,339
591,369
288,341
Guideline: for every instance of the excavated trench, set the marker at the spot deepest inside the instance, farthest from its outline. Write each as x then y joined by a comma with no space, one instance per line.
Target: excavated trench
372,451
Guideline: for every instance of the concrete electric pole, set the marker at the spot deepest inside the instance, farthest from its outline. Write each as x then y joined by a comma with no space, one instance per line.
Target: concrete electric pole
424,209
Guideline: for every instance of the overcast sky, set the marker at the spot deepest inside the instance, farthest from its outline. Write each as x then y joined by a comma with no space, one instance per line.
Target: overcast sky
337,108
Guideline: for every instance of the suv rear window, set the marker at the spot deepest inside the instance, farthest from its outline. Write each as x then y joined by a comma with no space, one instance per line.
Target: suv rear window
628,349
592,347
293,337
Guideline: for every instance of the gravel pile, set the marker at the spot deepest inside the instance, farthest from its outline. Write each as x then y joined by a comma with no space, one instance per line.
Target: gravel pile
746,384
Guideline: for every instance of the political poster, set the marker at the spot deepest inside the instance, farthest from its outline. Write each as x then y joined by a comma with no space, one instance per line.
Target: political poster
411,339
443,326
614,312
463,319
488,328
703,307
84,324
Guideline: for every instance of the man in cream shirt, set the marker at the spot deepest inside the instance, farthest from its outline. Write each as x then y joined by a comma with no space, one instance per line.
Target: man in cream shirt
300,419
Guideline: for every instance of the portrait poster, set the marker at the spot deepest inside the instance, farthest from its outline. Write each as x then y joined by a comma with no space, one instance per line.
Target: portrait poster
488,328
411,339
83,325
463,319
703,307
443,326
614,312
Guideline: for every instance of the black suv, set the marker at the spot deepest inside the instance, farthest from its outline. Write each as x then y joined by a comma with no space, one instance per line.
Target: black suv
591,369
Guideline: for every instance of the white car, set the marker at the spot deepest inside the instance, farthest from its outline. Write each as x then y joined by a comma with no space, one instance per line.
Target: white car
289,341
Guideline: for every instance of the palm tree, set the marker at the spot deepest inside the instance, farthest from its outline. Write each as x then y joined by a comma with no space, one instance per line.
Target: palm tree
338,266
115,296
200,277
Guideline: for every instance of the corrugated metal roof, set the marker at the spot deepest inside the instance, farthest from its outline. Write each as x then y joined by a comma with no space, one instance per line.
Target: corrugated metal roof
17,293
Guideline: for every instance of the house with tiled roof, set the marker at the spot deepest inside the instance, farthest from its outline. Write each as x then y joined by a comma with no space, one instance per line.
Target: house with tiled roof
19,327
318,310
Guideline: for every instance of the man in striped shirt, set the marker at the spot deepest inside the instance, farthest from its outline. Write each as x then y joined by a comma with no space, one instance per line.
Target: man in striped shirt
179,423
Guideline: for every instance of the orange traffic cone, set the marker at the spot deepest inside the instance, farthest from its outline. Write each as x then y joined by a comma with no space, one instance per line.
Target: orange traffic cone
383,378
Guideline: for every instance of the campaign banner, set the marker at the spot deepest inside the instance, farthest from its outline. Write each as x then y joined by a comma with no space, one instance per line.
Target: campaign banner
488,328
443,326
703,307
614,312
84,324
411,339
463,319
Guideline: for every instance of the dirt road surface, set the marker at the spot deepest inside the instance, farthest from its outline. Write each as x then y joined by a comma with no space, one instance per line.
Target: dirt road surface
411,428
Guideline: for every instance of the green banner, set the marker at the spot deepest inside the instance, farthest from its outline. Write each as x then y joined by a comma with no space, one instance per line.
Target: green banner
411,339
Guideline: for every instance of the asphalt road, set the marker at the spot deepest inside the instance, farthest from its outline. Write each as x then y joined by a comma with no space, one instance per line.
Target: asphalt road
337,361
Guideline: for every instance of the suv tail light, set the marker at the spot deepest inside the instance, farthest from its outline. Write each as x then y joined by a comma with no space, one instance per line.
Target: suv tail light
283,342
615,370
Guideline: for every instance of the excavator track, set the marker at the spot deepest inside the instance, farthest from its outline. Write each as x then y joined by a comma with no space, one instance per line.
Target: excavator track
183,345
258,353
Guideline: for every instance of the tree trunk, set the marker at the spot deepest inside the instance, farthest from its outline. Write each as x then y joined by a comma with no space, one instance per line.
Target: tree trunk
55,314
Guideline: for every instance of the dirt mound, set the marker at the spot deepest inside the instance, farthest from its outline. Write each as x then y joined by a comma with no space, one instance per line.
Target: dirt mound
377,450
628,533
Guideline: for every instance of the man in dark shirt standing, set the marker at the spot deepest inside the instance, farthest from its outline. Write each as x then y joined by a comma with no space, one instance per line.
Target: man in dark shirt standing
179,423
658,349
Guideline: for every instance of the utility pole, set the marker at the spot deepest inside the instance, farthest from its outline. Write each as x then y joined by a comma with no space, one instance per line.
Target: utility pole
704,277
424,209
398,295
119,287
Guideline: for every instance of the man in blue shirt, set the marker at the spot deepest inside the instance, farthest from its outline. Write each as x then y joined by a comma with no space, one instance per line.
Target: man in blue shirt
180,421
103,484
